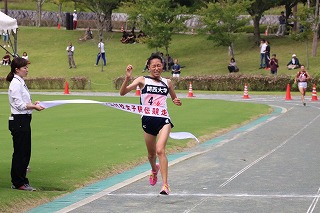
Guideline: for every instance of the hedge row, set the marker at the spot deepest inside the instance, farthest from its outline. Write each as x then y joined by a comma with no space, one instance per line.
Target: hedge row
229,82
233,82
50,83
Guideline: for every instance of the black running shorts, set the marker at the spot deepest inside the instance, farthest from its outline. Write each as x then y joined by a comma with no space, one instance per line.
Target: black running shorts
152,125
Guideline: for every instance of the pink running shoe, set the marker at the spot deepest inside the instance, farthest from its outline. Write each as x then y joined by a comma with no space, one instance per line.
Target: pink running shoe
153,176
165,189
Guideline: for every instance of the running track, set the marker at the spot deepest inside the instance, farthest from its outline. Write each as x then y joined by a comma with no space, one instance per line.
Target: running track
268,165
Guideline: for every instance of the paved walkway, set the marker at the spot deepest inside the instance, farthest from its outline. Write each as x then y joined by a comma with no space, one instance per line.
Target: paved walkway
268,165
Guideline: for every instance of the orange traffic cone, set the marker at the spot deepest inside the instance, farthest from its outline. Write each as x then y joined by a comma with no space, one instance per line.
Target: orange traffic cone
245,92
190,93
59,26
288,94
66,88
314,93
138,93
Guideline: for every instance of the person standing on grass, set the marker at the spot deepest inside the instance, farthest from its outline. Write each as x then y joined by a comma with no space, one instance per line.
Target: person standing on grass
176,69
101,54
282,25
19,123
154,126
267,55
274,64
70,51
75,19
302,77
263,47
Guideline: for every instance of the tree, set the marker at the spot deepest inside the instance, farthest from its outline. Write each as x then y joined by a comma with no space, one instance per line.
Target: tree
315,29
59,3
221,20
256,9
39,12
306,21
103,10
159,20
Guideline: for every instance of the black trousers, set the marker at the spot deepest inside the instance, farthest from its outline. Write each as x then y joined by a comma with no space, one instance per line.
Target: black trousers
20,128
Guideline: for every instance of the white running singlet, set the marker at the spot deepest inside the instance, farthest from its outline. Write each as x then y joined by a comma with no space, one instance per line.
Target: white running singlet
154,93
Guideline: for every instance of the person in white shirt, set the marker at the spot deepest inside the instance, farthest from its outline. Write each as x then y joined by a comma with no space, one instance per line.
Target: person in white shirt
21,108
101,54
75,19
25,56
263,47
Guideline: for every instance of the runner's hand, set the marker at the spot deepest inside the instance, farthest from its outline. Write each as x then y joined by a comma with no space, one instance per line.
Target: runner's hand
129,71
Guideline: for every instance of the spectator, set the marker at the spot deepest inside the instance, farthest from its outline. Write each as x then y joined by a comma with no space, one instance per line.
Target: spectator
232,67
5,38
176,69
293,63
146,66
267,55
6,59
291,19
141,34
87,35
168,62
59,21
70,51
131,39
274,64
282,25
102,53
163,60
141,37
25,56
263,47
75,19
124,37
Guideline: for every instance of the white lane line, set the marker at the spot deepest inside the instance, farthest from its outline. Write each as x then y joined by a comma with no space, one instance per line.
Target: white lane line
267,154
314,202
290,196
120,185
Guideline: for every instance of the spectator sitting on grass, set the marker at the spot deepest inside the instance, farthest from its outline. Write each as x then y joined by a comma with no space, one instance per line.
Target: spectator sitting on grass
6,59
124,37
232,67
25,56
293,63
87,35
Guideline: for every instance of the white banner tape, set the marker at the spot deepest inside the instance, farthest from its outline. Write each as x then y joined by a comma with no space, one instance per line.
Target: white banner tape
133,108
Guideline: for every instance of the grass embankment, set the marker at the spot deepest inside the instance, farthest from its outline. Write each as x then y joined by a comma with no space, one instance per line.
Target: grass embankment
47,52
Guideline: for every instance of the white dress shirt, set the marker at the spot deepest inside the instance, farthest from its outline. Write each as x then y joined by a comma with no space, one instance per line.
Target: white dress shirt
19,96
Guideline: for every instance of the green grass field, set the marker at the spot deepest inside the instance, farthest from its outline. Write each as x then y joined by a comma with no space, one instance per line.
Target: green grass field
76,144
47,52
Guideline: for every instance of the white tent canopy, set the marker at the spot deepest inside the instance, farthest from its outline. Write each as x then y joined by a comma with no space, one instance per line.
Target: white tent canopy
8,25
